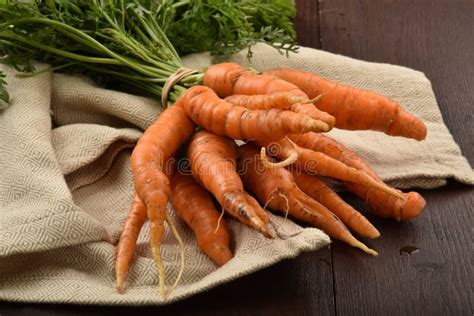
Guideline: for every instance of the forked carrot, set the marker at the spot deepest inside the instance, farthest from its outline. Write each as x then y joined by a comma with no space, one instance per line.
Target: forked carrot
355,109
213,164
232,79
148,162
379,203
276,188
193,204
126,247
131,230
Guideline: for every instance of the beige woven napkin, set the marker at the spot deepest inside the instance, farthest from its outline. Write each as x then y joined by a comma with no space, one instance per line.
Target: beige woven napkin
65,190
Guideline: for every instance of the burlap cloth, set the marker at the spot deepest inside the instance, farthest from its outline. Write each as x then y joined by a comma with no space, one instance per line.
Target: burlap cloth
65,190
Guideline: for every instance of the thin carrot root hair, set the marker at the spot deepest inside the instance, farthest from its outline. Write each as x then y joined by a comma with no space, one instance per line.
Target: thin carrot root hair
270,198
219,220
280,195
176,235
287,207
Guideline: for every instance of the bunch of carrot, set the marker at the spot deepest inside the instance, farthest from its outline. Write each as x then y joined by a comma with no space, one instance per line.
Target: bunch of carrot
283,107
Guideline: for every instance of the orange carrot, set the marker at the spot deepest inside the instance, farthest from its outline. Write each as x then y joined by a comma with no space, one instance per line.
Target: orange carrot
277,100
379,203
276,188
194,205
206,109
355,109
229,78
128,240
212,159
148,160
316,163
137,216
319,191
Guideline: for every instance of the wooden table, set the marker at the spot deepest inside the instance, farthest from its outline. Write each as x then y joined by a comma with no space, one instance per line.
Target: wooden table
436,37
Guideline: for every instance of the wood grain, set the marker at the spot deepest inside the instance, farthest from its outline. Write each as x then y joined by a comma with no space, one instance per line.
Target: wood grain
307,23
434,37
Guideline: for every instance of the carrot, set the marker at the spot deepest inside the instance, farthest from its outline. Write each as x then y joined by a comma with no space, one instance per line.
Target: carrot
379,203
137,216
277,100
212,159
232,79
319,191
193,204
318,163
355,109
334,149
276,188
206,109
128,240
148,162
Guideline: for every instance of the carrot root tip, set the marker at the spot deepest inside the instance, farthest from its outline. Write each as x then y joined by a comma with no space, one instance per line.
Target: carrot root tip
364,248
262,228
120,284
271,231
375,233
413,206
314,100
372,252
317,126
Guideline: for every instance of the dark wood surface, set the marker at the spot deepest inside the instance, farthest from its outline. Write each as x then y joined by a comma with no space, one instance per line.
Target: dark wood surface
436,37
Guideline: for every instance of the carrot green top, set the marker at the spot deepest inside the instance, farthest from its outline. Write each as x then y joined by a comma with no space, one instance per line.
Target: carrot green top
129,40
